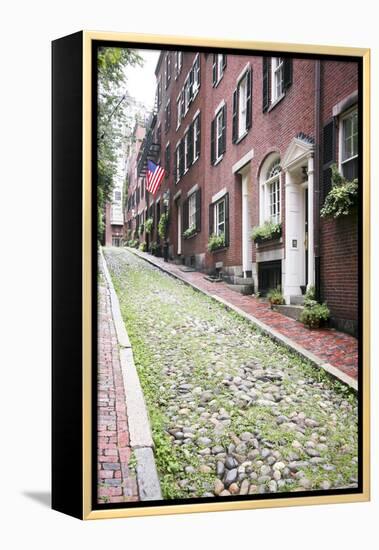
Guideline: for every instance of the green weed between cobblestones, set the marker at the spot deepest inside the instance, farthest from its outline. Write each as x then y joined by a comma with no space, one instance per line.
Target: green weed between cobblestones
181,336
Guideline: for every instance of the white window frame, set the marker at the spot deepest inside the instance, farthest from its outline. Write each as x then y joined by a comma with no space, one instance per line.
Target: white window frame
178,111
194,140
218,128
192,210
168,69
187,94
216,223
117,191
277,76
341,138
219,68
185,152
242,105
177,163
195,83
268,193
178,63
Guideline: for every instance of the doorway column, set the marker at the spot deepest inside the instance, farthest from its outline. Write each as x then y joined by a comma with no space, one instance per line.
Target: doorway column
179,226
311,255
246,225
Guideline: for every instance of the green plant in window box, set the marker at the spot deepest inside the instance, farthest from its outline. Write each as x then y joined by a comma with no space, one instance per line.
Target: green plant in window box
266,232
190,231
275,297
216,241
149,225
342,198
162,225
313,314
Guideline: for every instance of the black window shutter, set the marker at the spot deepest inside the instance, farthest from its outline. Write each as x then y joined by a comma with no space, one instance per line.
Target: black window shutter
167,164
223,137
211,215
169,115
223,62
213,152
185,215
235,116
249,85
266,84
328,156
197,152
198,69
227,219
198,210
189,147
182,111
214,69
181,158
287,72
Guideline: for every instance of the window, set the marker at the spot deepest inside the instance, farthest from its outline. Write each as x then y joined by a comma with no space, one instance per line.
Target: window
277,88
218,135
277,78
168,69
167,116
218,67
196,76
178,63
159,135
242,107
177,163
219,218
349,145
167,160
187,160
196,138
117,195
159,93
192,211
178,111
270,197
187,95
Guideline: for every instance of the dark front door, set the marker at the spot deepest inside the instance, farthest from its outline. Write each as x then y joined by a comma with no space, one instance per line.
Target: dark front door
269,276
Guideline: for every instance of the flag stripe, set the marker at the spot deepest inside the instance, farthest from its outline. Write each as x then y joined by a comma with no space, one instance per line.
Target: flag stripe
154,177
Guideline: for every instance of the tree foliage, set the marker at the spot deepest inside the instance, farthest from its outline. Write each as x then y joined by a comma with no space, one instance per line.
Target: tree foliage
112,119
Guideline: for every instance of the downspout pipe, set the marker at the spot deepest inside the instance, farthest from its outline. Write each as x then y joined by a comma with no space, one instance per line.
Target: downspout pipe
317,186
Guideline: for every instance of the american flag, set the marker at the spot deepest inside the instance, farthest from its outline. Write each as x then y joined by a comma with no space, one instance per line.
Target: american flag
155,175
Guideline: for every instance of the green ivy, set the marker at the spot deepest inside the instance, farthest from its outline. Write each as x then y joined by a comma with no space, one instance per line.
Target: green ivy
162,225
149,225
342,198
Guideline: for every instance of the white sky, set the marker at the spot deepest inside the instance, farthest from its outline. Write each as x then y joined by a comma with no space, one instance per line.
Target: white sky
141,81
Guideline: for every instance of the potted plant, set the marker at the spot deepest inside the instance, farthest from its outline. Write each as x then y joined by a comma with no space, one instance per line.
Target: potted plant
162,225
314,314
154,248
275,297
215,242
266,232
143,247
342,198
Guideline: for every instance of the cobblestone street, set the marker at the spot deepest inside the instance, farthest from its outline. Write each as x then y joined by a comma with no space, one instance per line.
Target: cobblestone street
231,411
116,478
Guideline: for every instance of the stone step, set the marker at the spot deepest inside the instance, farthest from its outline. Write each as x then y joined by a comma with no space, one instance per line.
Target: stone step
234,270
291,311
297,300
234,280
242,289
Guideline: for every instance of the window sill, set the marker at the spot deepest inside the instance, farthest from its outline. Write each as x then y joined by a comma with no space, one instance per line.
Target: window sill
191,236
269,242
241,138
221,249
275,103
216,162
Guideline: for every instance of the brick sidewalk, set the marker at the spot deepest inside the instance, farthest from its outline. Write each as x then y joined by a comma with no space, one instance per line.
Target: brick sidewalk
116,481
336,348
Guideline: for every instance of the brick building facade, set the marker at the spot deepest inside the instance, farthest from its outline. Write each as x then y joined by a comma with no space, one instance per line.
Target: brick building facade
246,140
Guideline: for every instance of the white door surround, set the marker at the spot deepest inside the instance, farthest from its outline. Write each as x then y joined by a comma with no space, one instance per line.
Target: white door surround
298,167
247,264
179,225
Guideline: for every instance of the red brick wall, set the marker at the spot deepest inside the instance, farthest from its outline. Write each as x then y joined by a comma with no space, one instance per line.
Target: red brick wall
339,238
